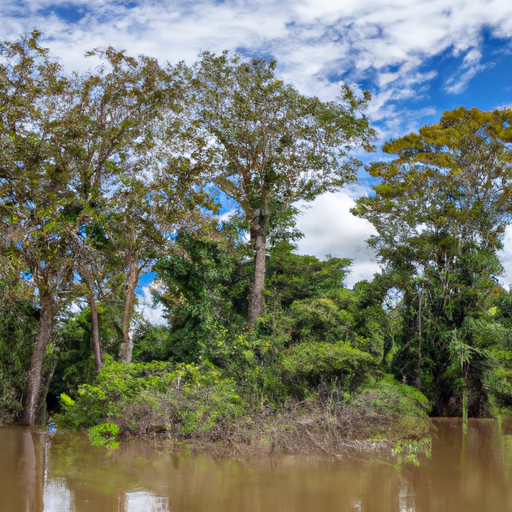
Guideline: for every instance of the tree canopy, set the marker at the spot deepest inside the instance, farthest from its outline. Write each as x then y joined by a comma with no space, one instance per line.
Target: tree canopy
117,172
267,146
440,209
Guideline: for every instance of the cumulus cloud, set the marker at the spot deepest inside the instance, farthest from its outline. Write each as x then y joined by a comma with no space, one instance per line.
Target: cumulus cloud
330,228
154,314
318,43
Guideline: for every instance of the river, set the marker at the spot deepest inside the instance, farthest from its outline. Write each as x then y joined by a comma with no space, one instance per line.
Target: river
63,473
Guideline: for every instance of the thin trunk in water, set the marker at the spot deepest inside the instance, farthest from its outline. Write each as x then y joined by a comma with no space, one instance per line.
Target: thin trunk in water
32,465
131,283
35,385
259,241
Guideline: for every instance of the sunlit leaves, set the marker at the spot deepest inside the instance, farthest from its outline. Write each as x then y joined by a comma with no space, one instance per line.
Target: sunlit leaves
440,211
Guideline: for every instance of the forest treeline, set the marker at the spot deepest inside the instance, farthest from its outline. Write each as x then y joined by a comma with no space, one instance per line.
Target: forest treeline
197,173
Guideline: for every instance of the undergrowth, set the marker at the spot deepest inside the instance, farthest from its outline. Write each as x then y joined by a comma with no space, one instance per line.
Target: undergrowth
198,405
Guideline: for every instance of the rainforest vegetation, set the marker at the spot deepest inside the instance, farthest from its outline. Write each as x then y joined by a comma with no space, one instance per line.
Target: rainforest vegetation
125,170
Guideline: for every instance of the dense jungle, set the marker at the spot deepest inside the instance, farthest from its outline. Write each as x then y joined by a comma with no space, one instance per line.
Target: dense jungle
195,175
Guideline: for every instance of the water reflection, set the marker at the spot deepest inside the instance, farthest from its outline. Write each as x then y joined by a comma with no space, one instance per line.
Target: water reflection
64,473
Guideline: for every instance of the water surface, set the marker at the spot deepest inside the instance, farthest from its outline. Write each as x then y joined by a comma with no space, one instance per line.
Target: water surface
63,473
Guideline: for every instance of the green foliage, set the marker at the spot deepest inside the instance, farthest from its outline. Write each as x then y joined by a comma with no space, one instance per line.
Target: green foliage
150,342
407,451
314,363
18,325
205,286
104,434
319,319
496,337
352,316
97,170
76,363
269,147
440,210
292,277
396,408
499,384
143,398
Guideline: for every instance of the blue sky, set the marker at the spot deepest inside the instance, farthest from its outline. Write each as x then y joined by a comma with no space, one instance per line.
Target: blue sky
418,58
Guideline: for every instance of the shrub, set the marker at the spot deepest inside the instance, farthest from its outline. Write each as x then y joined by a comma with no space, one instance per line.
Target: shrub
393,409
143,398
499,385
311,363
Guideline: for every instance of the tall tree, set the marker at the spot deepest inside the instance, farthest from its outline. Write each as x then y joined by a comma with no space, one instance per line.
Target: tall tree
157,193
131,187
440,210
111,128
267,145
33,194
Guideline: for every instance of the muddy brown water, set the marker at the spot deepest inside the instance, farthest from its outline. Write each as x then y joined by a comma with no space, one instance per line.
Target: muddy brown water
63,473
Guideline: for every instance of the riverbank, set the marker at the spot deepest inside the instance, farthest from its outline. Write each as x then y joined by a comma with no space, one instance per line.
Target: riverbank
190,405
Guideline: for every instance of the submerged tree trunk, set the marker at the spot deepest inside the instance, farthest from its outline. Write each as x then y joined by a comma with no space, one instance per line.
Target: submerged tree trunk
35,382
259,242
95,330
132,278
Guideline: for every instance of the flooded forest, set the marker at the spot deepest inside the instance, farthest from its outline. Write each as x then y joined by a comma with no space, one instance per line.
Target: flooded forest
265,383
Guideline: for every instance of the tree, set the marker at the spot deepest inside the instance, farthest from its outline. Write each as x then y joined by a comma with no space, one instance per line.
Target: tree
292,277
33,193
203,285
267,145
132,188
157,195
111,131
440,210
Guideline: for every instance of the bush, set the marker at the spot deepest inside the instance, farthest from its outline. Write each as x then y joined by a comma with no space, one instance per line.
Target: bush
499,386
144,398
310,364
393,409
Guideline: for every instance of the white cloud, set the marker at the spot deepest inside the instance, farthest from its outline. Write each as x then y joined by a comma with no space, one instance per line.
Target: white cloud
153,314
309,37
313,40
505,256
330,228
470,67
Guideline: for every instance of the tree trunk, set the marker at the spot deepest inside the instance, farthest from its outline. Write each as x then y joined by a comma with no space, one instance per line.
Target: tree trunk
86,274
132,278
420,312
95,328
35,385
259,242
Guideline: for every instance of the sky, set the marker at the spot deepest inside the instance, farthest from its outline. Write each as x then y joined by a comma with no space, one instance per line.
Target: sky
417,58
